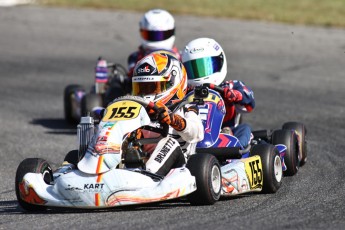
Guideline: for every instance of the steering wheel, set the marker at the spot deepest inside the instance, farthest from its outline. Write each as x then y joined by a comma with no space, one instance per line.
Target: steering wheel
148,105
214,87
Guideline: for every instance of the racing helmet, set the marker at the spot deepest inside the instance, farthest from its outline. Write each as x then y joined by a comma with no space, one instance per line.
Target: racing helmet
159,77
205,62
157,30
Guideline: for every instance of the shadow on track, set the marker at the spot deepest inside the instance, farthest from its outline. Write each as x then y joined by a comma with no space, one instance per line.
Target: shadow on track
11,207
56,126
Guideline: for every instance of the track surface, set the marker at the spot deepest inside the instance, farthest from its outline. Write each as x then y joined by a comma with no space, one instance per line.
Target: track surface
297,74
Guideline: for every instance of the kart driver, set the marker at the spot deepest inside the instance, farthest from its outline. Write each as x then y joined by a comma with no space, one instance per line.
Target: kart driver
161,78
205,62
157,32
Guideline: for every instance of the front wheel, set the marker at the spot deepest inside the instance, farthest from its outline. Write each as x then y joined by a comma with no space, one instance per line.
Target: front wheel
206,170
29,200
271,166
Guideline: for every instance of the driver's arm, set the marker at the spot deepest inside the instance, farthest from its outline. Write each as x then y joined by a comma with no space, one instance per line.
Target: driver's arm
188,124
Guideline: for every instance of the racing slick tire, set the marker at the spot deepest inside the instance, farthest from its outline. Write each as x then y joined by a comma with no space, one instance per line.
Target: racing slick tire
32,165
289,139
271,166
69,93
206,170
301,132
90,101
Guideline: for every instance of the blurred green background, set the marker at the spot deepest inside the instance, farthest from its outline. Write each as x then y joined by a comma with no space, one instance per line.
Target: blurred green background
329,13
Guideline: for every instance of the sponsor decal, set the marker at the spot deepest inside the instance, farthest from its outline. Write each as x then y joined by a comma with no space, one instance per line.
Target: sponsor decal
143,79
146,69
73,188
196,50
216,47
94,186
165,150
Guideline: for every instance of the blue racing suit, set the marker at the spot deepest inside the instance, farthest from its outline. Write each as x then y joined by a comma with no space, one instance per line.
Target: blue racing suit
238,98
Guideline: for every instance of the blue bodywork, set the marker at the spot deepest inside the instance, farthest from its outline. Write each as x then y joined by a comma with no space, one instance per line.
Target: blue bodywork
212,112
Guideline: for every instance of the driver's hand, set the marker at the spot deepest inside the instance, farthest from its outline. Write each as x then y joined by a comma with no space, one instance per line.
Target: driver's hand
232,95
163,114
174,120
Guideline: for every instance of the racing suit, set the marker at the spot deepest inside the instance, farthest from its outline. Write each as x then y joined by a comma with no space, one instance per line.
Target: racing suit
240,98
174,150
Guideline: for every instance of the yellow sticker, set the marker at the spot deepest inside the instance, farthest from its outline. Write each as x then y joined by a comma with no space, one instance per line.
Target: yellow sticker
122,110
254,171
212,97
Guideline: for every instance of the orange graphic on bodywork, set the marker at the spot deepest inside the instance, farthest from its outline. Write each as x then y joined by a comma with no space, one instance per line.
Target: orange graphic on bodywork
29,195
114,200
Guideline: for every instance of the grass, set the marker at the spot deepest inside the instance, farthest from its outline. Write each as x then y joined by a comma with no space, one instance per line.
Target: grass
330,13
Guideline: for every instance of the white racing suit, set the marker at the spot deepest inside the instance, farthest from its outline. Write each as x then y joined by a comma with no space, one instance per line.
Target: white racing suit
174,150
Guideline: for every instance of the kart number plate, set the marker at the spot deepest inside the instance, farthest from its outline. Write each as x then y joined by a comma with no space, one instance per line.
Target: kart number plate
254,172
122,110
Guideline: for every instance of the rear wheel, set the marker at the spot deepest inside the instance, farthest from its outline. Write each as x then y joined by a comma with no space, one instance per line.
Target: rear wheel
69,108
89,102
271,166
206,170
31,165
301,132
289,139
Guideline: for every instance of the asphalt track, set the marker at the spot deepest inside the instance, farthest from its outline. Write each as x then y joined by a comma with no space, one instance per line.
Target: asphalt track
297,74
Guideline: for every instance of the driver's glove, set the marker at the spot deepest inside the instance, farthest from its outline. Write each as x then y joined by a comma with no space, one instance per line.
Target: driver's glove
232,95
174,120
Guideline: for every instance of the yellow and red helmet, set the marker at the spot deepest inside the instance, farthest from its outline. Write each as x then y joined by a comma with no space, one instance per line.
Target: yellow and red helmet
160,77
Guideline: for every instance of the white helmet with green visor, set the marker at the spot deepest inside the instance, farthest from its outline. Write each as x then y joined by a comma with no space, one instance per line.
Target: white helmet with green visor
205,62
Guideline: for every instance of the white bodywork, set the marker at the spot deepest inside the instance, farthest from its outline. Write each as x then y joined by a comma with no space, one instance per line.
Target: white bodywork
116,187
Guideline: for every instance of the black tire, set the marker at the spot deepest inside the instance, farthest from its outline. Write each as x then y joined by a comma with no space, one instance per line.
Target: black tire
89,102
72,157
301,131
32,165
271,166
206,170
289,139
68,108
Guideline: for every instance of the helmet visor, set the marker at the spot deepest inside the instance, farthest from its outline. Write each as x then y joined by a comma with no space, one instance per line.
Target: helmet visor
155,36
205,66
143,88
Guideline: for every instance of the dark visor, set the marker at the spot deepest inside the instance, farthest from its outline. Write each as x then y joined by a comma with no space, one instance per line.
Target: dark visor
154,36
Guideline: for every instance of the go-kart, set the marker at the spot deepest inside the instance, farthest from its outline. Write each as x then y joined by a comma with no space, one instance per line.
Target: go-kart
108,169
111,81
258,167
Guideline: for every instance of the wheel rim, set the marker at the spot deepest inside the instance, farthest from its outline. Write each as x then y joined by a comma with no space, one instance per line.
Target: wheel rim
278,171
216,179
